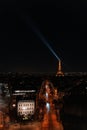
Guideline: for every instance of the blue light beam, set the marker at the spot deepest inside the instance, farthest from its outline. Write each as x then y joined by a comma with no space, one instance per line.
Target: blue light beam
39,34
45,41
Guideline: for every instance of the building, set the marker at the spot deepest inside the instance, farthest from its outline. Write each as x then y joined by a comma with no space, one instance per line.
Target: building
23,103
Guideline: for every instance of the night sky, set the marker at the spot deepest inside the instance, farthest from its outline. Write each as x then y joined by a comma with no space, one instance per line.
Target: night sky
63,25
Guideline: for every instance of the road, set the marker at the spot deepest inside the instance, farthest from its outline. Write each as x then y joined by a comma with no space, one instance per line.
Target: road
49,123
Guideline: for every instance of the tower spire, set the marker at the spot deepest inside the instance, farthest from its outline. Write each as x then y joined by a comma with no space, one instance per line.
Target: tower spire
59,72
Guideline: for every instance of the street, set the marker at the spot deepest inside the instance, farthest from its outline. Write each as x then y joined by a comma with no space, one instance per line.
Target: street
49,123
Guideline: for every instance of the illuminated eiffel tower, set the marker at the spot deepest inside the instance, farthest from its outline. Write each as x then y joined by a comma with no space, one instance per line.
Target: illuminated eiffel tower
59,72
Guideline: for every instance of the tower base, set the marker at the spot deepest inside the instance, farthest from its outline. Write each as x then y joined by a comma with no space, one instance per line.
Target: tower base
60,73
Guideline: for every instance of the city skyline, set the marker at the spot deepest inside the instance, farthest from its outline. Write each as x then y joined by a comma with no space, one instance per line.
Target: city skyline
62,24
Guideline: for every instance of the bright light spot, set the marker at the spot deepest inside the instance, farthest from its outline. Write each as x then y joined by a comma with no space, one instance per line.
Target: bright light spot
46,86
1,125
46,95
48,107
14,105
24,108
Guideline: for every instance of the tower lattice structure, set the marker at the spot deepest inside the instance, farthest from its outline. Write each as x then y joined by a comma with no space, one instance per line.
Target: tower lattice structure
60,72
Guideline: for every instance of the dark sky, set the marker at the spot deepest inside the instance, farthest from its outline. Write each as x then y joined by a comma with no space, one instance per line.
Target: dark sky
63,24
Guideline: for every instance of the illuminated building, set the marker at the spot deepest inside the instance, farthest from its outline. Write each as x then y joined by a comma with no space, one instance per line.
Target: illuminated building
23,104
25,108
47,94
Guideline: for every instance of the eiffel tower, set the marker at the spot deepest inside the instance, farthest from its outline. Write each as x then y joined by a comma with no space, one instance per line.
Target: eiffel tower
59,72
